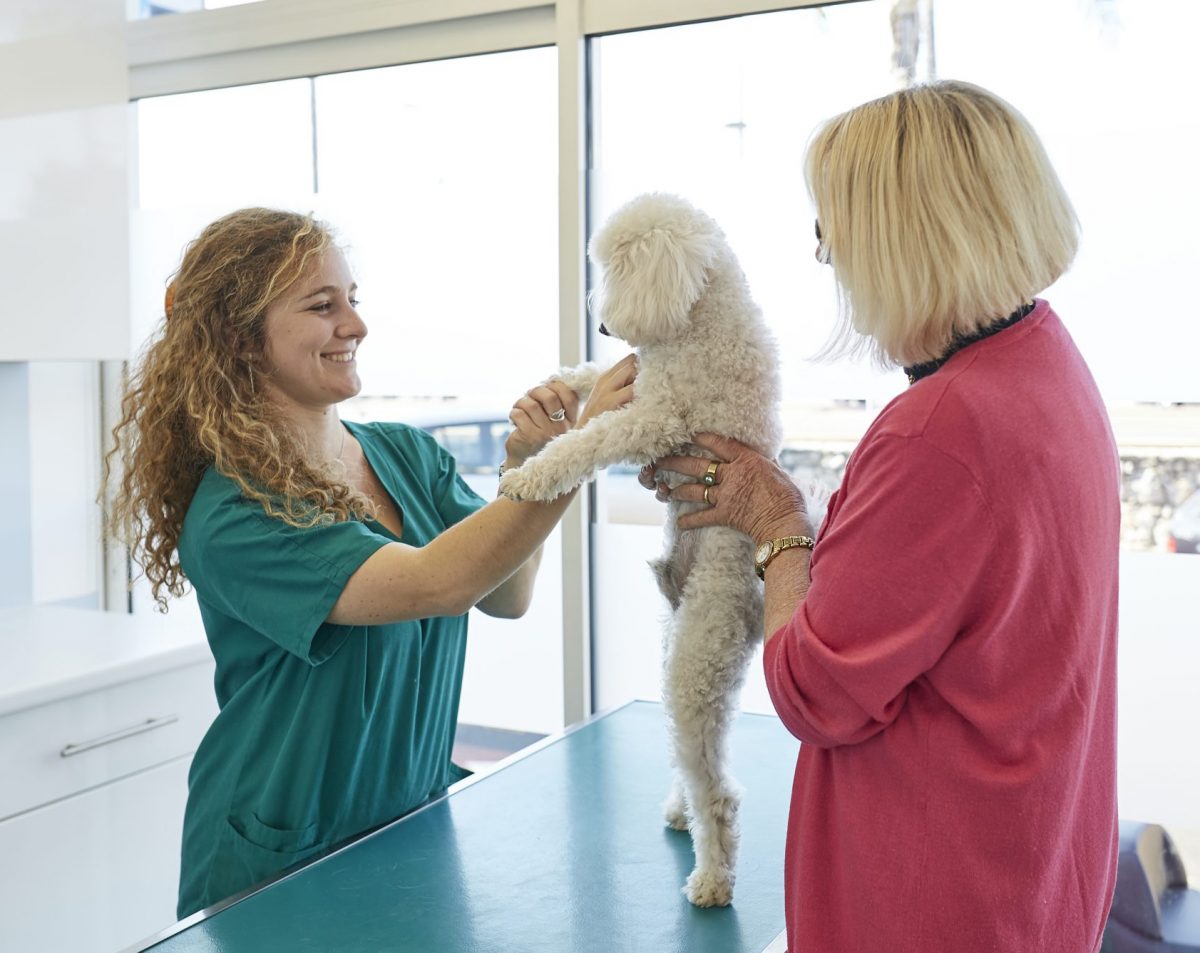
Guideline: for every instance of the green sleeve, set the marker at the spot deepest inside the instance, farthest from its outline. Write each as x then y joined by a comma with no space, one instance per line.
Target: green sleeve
277,579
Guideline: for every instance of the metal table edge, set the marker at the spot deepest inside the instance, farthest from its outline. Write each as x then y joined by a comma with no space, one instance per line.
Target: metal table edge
201,915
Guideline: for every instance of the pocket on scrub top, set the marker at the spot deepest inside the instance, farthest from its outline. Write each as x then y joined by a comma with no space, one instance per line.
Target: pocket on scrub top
263,851
250,853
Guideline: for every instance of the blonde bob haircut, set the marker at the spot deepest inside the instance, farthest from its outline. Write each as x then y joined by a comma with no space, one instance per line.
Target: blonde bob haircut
940,213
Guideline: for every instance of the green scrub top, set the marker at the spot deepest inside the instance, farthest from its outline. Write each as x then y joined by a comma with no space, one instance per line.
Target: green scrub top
324,731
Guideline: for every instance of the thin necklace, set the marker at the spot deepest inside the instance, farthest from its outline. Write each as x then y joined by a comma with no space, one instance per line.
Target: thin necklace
341,446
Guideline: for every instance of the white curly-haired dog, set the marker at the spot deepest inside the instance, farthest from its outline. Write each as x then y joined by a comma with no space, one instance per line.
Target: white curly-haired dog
673,289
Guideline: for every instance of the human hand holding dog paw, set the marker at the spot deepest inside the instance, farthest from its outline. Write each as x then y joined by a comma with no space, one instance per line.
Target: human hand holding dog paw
746,490
613,389
544,479
545,412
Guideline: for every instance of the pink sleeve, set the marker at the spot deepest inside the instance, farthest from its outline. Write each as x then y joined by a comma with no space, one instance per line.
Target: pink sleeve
895,576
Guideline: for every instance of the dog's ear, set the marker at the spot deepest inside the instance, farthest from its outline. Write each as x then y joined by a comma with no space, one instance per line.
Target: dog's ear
655,251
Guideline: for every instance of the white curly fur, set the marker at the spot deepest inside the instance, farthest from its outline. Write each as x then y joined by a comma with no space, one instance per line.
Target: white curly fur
673,289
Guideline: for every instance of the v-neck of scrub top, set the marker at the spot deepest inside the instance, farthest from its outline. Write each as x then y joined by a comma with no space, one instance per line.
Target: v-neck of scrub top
401,475
374,460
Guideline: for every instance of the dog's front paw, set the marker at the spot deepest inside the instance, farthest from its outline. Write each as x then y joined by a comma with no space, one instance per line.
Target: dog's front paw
709,888
515,485
528,483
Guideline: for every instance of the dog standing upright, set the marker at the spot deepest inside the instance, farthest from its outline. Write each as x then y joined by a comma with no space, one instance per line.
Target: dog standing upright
673,290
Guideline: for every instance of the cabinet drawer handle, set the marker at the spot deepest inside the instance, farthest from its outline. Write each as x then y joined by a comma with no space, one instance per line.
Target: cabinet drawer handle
140,728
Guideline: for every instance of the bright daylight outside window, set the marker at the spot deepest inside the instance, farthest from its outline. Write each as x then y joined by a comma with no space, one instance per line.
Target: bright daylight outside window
440,179
720,112
139,9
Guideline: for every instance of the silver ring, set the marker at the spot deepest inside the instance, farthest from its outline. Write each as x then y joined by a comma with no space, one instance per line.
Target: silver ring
708,487
710,475
558,415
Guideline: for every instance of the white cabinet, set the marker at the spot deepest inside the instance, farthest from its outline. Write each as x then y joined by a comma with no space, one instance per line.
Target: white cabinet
95,872
58,749
95,780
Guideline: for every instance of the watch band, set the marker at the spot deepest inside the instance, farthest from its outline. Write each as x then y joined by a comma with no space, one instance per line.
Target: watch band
778,546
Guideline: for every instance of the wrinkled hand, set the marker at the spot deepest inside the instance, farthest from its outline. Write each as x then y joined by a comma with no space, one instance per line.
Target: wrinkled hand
614,389
752,493
545,412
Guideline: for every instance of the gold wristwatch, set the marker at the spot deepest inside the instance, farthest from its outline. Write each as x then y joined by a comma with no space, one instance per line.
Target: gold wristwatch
767,551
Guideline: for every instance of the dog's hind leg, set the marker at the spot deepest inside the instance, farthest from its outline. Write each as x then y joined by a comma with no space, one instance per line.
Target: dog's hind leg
675,807
716,628
671,572
675,811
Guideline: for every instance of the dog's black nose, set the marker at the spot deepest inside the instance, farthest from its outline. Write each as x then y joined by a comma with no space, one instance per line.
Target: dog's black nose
604,330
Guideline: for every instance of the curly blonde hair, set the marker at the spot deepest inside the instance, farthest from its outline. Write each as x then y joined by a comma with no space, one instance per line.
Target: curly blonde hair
193,401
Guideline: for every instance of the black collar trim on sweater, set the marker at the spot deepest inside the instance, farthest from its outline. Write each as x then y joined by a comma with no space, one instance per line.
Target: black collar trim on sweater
917,371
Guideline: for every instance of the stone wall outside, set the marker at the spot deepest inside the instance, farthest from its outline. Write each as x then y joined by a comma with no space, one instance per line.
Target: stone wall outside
1152,487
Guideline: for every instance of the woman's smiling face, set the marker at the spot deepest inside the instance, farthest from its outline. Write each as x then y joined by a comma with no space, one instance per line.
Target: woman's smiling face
312,334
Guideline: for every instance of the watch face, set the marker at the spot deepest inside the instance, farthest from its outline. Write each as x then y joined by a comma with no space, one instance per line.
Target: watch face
763,552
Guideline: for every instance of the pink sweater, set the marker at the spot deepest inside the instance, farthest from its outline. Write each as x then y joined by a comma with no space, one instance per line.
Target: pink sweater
952,670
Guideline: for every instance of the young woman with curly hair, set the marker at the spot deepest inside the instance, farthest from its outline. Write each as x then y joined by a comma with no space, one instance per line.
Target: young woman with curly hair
333,563
947,649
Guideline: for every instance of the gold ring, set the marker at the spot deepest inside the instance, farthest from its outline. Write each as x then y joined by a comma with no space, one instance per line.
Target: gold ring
710,475
707,487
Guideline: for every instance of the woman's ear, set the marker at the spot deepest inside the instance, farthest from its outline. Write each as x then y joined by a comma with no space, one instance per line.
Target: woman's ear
656,252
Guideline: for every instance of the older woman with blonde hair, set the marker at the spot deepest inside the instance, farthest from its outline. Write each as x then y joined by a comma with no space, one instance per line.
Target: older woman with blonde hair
946,649
333,563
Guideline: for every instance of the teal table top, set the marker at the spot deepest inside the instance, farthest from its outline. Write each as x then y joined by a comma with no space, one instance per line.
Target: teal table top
563,850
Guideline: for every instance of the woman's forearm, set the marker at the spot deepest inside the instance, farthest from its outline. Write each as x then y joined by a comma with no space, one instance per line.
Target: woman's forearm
786,586
511,599
453,572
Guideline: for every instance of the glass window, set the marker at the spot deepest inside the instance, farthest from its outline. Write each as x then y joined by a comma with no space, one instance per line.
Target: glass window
477,447
139,9
441,180
1117,117
201,155
233,147
442,177
721,111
